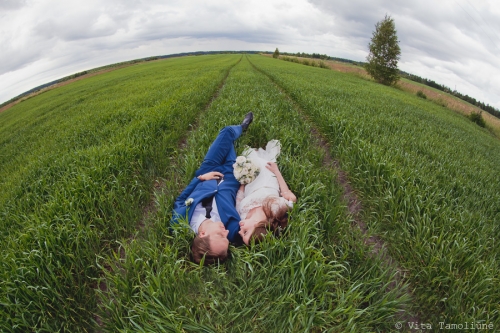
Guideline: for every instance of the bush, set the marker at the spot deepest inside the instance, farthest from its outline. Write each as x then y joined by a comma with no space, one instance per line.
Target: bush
276,53
305,62
441,102
421,94
291,59
323,64
477,117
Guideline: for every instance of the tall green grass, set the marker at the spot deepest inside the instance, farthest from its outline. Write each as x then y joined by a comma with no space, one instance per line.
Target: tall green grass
428,179
77,165
316,277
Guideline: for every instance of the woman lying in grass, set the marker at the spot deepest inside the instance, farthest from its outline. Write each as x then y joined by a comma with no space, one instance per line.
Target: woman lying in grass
264,203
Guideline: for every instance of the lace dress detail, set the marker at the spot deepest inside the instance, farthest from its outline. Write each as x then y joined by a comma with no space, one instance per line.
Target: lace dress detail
265,185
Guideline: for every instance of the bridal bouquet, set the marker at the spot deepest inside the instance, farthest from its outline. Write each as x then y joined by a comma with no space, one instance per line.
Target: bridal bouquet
244,170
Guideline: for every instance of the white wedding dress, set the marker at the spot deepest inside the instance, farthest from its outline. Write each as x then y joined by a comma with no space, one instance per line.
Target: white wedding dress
265,185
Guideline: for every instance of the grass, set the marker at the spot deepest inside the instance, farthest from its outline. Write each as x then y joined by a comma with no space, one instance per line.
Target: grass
77,165
315,277
428,179
86,239
439,97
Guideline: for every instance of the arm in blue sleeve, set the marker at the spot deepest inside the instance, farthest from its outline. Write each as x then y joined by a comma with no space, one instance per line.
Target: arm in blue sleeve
186,193
233,226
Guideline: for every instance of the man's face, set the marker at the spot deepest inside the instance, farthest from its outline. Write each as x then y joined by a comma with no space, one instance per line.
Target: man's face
218,235
247,228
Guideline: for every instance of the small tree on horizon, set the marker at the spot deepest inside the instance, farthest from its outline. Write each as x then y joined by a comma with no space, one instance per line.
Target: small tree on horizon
276,53
384,53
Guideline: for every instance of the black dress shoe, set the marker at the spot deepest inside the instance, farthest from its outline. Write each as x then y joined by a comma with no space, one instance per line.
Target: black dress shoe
247,121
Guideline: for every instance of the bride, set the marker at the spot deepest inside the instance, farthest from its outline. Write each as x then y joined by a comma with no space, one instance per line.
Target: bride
264,203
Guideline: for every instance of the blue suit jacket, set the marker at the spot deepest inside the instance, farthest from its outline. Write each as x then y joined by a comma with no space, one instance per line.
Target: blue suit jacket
225,196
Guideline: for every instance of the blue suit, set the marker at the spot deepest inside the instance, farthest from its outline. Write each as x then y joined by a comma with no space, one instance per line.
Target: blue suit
220,157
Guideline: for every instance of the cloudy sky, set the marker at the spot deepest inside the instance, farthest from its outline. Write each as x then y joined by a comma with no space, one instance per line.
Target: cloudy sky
453,42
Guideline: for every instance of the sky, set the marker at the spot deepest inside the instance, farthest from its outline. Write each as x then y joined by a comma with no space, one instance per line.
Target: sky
453,42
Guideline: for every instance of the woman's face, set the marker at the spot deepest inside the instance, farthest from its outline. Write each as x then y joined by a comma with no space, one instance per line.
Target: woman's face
247,228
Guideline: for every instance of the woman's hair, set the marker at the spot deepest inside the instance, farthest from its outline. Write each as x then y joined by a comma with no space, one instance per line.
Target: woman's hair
277,219
276,214
201,247
260,231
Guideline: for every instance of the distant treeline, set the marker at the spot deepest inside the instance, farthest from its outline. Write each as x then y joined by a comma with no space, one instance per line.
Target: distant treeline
486,107
124,63
322,57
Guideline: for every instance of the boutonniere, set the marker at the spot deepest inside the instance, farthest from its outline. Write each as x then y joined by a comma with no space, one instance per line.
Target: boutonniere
189,201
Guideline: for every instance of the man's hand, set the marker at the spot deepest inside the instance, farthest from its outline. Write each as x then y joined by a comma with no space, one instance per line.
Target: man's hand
211,175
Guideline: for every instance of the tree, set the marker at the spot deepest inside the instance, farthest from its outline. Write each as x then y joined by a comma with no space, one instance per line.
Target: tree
276,53
384,53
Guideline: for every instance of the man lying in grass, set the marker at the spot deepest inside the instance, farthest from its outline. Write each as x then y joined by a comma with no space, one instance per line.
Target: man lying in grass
208,202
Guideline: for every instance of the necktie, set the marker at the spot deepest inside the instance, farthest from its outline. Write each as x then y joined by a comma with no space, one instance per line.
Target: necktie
207,203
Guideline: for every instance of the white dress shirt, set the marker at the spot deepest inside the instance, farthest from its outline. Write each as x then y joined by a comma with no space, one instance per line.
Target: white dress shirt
199,215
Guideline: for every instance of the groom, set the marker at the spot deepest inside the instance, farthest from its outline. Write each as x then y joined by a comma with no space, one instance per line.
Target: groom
208,202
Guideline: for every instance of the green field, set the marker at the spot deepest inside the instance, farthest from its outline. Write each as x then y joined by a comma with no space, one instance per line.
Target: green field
89,172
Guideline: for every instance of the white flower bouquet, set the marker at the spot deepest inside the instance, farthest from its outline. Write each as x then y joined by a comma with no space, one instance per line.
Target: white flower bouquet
244,170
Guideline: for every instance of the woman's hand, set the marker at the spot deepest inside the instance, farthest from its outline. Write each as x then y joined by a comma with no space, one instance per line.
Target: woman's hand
285,191
211,175
273,167
288,195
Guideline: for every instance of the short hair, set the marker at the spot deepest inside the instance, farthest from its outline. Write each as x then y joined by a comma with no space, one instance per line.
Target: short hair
201,248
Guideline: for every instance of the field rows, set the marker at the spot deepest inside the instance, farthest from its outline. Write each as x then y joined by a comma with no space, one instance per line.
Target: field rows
428,179
316,277
78,164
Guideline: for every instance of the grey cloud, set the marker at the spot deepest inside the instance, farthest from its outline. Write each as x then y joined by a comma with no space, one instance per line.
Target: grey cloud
69,23
18,52
241,35
81,28
350,19
11,63
12,4
440,33
204,23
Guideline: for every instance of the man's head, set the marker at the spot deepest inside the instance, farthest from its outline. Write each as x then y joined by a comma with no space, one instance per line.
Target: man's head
210,242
